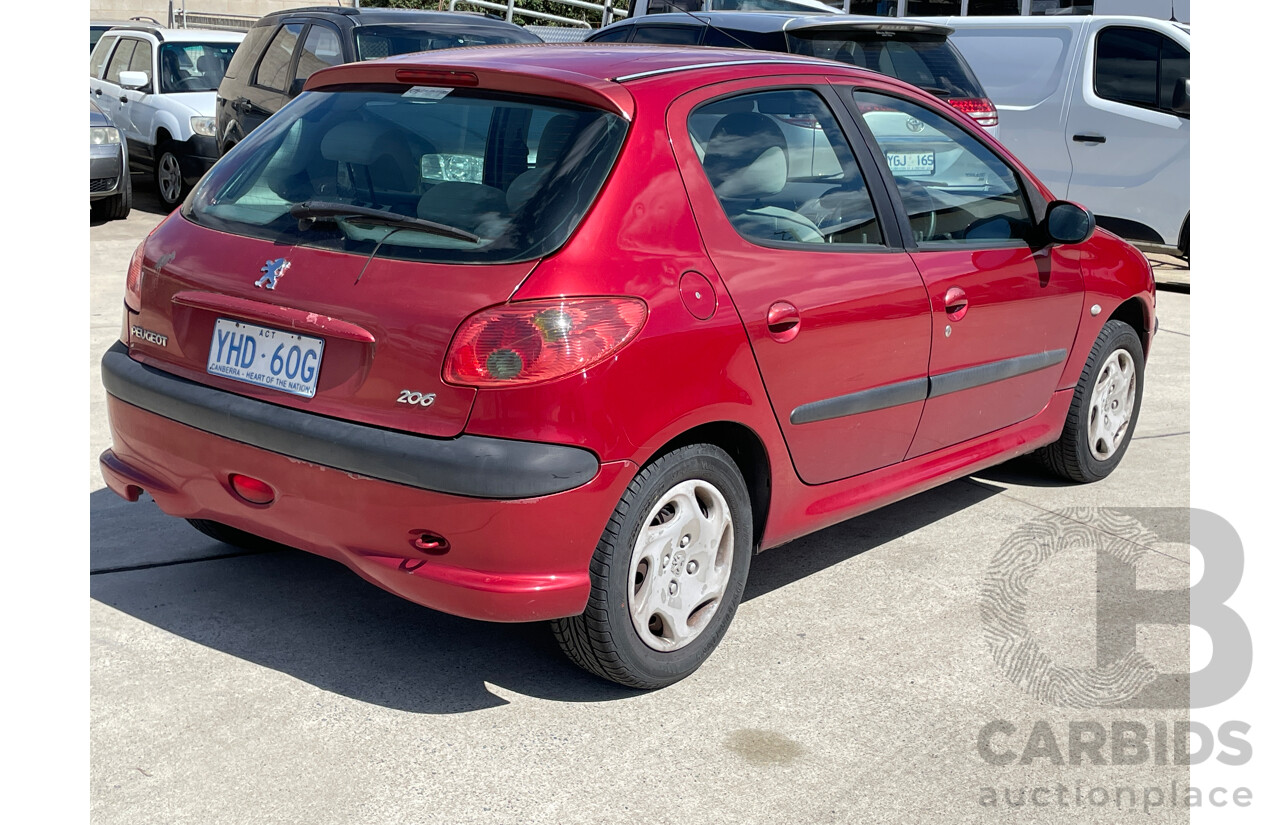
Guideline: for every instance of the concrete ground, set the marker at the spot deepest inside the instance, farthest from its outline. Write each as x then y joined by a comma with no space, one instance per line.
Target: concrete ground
853,686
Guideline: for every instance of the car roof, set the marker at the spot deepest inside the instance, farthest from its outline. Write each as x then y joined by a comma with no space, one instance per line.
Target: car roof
180,35
378,16
767,21
590,73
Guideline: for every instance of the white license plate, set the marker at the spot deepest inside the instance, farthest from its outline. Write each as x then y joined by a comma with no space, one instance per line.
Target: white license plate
910,163
272,358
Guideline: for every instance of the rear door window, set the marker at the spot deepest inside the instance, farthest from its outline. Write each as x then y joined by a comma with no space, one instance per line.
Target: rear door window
927,61
273,71
668,35
100,54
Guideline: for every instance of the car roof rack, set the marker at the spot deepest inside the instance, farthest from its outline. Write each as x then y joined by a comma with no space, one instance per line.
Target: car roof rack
150,28
348,11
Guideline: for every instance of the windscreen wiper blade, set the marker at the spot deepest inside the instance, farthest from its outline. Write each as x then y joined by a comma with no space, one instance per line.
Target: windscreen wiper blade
317,210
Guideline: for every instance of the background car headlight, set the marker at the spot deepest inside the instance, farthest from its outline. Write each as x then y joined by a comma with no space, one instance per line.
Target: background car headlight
99,135
206,126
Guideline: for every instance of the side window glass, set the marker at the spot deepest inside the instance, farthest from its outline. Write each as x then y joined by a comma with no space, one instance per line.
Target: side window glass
320,50
955,189
1175,64
141,60
782,169
273,71
1126,66
120,60
99,55
617,35
668,35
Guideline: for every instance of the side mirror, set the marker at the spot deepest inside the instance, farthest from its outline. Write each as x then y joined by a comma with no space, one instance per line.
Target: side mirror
1068,223
134,80
1182,97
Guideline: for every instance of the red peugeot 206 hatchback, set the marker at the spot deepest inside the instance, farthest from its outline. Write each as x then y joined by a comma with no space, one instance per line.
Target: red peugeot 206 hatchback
568,333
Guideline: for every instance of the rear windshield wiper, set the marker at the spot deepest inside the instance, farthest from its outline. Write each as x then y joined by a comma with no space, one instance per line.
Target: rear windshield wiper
317,210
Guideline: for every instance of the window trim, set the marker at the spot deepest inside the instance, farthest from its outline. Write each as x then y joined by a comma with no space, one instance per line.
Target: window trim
106,67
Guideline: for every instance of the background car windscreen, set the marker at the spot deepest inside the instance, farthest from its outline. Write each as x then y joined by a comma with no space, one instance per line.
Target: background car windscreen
927,61
517,173
374,42
194,67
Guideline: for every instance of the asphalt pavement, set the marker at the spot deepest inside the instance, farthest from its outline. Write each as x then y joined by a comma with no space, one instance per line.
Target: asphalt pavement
862,680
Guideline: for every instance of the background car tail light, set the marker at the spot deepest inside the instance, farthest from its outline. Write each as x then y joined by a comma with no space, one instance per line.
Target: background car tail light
979,108
535,341
133,280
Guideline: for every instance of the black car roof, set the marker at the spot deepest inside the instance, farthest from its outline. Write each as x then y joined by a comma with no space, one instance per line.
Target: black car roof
765,21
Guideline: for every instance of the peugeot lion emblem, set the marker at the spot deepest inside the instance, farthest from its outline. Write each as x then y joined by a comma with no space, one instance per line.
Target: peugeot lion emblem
272,271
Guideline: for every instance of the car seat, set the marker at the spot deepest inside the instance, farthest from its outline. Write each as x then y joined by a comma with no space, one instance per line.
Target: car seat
379,162
746,162
557,136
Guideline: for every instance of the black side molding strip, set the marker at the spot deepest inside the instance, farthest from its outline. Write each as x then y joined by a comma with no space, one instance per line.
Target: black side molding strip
877,398
468,465
970,377
920,389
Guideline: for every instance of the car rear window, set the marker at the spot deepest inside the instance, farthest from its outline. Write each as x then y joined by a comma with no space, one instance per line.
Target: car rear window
927,61
509,177
375,42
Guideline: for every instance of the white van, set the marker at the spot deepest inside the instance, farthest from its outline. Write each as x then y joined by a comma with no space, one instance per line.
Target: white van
1099,108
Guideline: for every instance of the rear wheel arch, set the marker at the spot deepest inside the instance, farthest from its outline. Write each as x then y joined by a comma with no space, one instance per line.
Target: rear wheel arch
748,452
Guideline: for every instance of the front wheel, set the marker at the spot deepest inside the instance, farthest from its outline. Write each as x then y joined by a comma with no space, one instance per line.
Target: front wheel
1104,409
168,174
668,573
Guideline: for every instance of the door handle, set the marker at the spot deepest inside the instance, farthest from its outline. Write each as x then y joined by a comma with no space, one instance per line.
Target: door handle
783,321
124,99
1089,139
98,92
239,103
955,304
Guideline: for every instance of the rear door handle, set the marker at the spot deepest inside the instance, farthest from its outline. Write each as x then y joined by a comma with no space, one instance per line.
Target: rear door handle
1089,139
783,321
98,92
955,304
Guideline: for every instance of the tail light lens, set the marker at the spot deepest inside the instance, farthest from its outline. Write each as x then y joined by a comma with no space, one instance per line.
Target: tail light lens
524,343
979,108
133,280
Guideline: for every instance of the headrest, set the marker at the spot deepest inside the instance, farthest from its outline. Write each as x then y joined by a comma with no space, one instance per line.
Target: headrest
358,142
746,156
556,137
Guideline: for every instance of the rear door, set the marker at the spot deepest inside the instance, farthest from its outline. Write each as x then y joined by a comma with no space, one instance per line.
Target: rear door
137,106
836,313
1004,309
1130,152
267,89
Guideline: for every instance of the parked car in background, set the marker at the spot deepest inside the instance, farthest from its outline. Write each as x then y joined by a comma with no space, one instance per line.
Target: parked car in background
159,87
284,48
586,377
911,50
1100,108
110,190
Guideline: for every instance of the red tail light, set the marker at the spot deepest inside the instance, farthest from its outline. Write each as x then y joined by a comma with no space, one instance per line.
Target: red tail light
978,108
133,280
535,341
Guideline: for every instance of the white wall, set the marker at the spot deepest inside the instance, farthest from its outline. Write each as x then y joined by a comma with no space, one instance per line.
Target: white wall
159,9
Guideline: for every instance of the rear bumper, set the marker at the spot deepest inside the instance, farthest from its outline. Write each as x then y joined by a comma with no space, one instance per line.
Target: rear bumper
523,559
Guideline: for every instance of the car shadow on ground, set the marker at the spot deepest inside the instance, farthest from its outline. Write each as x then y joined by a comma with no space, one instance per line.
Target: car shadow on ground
314,619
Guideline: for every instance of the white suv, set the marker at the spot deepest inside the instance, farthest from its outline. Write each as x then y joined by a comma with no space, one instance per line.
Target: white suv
160,87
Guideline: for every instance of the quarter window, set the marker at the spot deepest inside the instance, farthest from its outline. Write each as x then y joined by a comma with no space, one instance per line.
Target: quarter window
668,35
954,189
782,169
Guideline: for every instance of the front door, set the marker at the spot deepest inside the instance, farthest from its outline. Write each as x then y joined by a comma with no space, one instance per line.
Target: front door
836,313
1004,308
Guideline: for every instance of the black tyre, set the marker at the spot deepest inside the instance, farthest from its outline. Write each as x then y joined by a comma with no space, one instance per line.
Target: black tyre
168,176
668,573
1104,409
230,535
115,207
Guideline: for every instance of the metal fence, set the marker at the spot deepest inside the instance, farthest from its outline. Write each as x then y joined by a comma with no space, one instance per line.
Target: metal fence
606,12
603,14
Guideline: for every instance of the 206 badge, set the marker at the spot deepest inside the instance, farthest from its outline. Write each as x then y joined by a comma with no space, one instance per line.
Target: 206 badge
272,271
